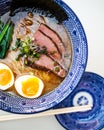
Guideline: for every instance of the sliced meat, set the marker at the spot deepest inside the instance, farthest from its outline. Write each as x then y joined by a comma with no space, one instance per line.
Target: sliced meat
46,62
53,35
43,40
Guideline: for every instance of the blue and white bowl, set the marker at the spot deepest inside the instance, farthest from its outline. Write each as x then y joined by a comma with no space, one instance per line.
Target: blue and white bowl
89,91
17,104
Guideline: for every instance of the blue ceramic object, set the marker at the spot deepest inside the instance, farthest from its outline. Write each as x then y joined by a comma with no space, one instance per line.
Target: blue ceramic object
17,104
89,91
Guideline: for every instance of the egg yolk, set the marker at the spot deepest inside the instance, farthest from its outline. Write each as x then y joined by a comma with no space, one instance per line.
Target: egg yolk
5,77
30,87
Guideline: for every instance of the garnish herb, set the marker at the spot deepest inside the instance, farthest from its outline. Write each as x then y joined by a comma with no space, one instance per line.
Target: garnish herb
29,49
25,61
57,69
5,37
18,42
4,30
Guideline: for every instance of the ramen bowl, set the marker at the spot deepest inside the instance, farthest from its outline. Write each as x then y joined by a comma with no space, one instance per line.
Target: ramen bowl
64,15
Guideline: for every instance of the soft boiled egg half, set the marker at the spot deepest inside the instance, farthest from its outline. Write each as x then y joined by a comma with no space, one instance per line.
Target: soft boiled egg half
29,86
6,77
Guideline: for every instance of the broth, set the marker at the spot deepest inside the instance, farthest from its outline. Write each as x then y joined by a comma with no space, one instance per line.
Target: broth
23,31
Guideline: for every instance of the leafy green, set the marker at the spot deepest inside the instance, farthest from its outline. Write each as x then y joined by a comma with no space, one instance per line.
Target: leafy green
29,48
5,28
6,38
9,33
2,49
1,25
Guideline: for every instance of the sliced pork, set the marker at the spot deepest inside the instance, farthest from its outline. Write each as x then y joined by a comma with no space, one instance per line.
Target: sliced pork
54,37
47,63
52,50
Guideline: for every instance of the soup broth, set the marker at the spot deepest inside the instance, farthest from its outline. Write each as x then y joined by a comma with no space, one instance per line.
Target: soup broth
30,26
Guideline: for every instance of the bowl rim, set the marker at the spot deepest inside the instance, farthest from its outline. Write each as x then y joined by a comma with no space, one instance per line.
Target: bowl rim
16,104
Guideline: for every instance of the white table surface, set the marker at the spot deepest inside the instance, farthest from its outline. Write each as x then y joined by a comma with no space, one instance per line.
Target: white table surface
91,15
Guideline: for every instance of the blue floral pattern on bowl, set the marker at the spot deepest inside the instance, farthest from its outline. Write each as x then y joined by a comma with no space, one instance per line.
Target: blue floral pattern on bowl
89,91
19,105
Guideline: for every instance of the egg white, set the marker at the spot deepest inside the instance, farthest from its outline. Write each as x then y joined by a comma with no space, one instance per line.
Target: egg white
18,85
4,66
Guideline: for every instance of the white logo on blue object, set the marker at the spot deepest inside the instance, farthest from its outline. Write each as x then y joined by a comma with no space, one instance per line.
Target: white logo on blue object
82,98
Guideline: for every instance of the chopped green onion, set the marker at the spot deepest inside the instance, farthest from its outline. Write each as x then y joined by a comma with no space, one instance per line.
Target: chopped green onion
25,56
57,69
28,40
18,43
26,49
26,62
31,49
37,55
17,58
23,44
13,48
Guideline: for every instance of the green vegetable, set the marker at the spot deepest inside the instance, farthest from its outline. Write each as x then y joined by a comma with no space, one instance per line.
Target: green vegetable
17,58
9,33
1,25
13,48
18,43
26,61
23,44
28,40
37,55
6,38
57,69
26,49
2,49
29,49
5,28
